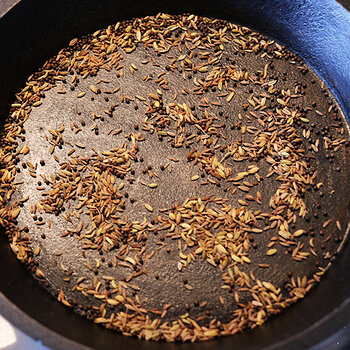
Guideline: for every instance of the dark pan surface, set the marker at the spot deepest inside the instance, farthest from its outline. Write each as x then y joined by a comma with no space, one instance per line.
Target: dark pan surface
90,339
62,257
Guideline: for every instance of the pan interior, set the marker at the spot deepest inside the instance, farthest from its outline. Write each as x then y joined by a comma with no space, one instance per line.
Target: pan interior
60,108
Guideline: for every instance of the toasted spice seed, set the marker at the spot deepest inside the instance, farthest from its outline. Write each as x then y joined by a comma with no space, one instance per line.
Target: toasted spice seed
338,225
298,233
230,96
148,207
91,188
93,89
37,250
80,145
271,251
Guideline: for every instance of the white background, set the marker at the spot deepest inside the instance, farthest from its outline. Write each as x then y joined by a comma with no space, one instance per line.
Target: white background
13,339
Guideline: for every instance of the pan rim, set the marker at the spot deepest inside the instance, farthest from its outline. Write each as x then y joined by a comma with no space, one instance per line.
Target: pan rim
33,328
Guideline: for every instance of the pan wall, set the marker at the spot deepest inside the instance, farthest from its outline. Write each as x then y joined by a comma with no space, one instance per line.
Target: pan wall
36,29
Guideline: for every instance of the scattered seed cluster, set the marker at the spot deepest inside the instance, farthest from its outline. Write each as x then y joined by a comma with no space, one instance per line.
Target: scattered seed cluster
232,194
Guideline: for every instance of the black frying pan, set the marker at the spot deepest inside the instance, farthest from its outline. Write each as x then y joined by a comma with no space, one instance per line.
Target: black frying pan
318,30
